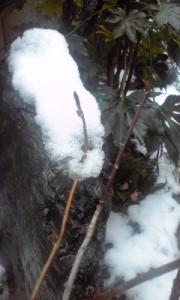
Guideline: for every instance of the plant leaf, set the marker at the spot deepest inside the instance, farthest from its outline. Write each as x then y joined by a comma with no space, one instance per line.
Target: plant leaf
134,196
130,31
170,118
119,30
77,44
114,116
135,21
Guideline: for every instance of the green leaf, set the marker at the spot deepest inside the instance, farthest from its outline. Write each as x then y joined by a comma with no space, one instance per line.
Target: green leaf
119,30
77,44
169,115
135,21
117,15
130,31
113,115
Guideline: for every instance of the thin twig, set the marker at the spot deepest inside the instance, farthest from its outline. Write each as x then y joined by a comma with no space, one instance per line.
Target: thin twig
81,115
66,213
120,289
175,293
56,244
87,239
85,20
99,207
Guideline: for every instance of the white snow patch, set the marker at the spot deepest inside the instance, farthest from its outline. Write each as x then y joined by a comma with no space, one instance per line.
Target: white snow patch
170,90
139,146
45,74
145,238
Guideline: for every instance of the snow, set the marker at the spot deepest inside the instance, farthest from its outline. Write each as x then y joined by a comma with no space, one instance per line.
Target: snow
145,238
46,75
170,90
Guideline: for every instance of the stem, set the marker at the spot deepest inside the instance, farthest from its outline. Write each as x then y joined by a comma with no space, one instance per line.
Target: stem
99,207
121,150
132,63
66,213
175,293
85,20
118,290
56,244
79,256
81,115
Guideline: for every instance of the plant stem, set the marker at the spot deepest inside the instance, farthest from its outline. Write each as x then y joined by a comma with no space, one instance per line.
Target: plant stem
100,205
68,205
56,244
118,290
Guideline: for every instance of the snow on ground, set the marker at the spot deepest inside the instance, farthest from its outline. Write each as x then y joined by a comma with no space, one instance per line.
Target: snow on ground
45,74
145,238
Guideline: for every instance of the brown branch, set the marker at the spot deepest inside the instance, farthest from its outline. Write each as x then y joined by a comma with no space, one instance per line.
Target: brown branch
56,244
99,207
118,290
81,115
132,62
66,213
175,293
122,148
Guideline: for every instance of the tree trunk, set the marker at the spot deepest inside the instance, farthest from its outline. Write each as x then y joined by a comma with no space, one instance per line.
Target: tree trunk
33,195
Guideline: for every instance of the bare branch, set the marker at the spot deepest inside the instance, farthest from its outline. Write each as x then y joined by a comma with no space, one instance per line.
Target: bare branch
56,244
99,207
66,213
118,290
81,115
175,293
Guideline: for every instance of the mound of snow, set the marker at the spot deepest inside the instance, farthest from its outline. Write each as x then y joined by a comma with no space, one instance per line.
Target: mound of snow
145,238
45,74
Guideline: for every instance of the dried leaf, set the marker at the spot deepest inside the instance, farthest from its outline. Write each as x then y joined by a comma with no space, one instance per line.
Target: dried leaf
134,196
124,186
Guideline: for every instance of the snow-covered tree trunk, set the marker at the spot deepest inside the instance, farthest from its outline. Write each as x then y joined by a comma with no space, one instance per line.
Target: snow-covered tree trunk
33,194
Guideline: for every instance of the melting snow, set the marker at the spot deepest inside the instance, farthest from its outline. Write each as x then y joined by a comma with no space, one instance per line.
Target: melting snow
45,74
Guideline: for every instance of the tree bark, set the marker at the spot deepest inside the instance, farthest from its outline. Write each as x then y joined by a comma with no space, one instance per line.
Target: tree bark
33,193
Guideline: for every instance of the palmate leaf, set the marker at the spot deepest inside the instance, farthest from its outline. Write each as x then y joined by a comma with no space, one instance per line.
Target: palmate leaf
169,13
165,128
146,118
170,116
77,43
118,14
135,21
156,124
114,117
